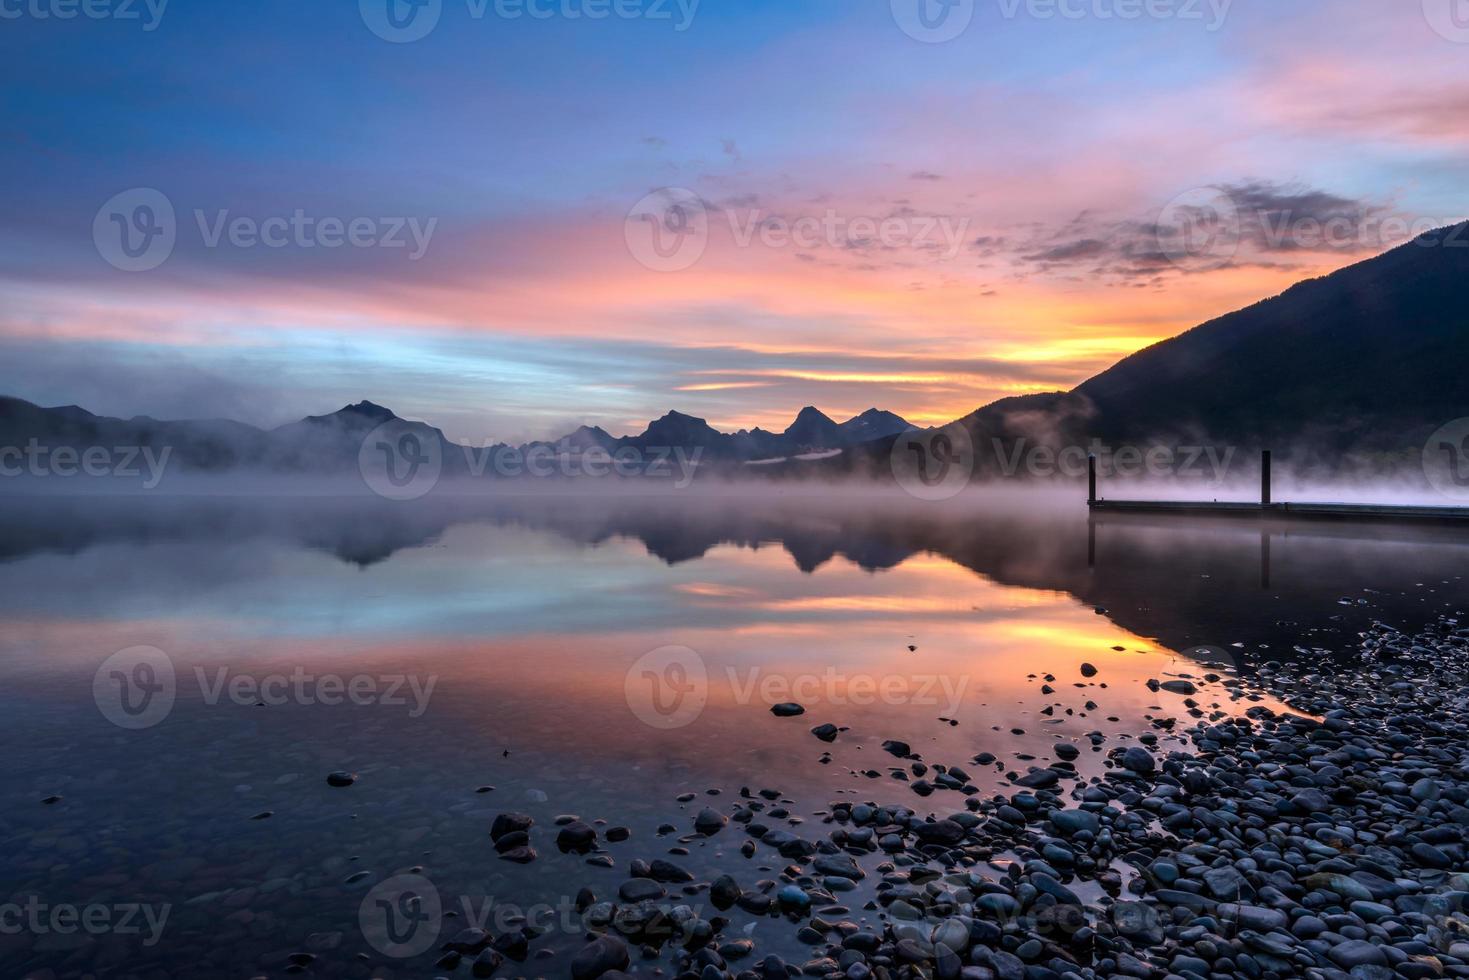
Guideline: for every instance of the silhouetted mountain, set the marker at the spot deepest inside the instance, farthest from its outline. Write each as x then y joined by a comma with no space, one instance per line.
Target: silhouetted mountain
813,430
678,429
1347,374
872,424
214,444
1367,361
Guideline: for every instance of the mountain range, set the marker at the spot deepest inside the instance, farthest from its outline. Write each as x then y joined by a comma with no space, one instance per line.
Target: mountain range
1362,364
326,444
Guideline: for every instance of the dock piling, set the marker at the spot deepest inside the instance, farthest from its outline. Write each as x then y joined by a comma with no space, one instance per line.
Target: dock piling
1091,479
1264,478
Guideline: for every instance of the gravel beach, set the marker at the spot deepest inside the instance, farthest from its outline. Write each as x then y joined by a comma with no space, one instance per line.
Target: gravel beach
1328,842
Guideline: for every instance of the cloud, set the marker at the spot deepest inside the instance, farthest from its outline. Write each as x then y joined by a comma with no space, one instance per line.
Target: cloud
1242,223
1086,248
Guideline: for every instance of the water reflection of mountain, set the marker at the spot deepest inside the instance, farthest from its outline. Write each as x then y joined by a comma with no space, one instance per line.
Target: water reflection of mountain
1185,583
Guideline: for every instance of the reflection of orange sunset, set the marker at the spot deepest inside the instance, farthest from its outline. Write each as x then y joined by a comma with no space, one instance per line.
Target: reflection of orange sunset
837,640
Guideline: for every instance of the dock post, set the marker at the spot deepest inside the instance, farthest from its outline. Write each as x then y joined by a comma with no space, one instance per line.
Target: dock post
1264,478
1091,480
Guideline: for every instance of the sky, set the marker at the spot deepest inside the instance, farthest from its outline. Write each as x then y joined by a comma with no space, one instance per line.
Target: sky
512,217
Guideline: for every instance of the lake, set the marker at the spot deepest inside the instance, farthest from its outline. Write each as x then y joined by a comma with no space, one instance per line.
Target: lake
183,674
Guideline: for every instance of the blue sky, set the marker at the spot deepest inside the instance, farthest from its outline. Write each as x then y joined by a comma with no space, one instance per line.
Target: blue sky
990,214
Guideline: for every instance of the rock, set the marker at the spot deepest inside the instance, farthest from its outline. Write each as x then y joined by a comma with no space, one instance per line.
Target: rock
1039,779
838,866
601,955
710,822
827,732
519,855
794,898
1071,822
341,778
1225,884
1356,952
1087,670
945,832
641,890
1252,917
507,823
894,747
576,837
1138,759
787,709
1311,801
1179,687
724,892
486,963
667,871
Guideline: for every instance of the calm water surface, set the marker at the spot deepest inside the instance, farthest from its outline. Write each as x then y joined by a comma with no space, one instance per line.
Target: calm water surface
597,658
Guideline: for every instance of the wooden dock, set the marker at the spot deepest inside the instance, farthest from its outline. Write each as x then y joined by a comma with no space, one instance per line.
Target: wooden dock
1266,507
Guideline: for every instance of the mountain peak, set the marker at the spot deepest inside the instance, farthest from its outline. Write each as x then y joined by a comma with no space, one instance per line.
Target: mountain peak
813,428
369,409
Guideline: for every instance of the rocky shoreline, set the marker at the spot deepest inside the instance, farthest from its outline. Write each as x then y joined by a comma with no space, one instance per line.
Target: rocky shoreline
1325,844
